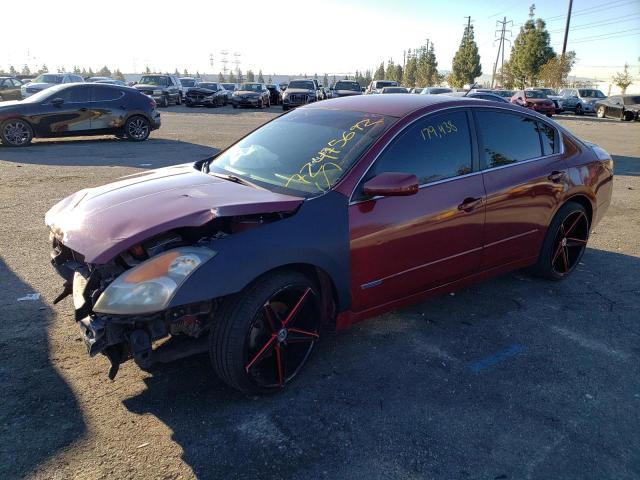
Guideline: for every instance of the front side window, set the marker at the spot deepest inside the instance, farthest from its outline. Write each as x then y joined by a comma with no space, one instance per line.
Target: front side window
508,137
73,95
434,148
48,78
590,93
304,152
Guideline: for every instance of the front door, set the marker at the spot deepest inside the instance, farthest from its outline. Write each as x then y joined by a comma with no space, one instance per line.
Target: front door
524,176
70,116
405,245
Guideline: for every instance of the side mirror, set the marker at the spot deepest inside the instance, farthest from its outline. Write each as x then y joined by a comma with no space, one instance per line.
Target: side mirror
392,184
56,102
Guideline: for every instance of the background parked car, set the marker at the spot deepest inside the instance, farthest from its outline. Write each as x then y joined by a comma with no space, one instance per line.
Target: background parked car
97,79
482,95
112,82
10,89
580,100
164,89
435,90
346,88
283,86
186,83
276,93
230,88
208,94
46,80
622,107
376,86
394,90
535,100
79,109
417,90
300,92
251,94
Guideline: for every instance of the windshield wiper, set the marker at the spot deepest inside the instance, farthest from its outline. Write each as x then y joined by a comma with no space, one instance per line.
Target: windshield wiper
234,179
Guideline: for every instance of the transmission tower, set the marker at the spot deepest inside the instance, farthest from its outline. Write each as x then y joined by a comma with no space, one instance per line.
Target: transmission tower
224,61
236,60
501,46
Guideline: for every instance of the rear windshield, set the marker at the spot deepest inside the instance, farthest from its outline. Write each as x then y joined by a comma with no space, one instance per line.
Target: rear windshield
188,82
304,152
210,86
229,86
380,84
631,100
591,93
534,94
251,87
353,86
154,80
48,78
302,84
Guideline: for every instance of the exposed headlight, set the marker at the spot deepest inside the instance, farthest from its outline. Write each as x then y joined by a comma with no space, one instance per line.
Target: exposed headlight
150,286
157,92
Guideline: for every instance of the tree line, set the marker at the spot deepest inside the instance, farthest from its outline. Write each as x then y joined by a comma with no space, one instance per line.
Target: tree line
86,73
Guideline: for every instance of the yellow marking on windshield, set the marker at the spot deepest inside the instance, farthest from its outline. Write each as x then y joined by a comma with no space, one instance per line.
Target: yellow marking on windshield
328,157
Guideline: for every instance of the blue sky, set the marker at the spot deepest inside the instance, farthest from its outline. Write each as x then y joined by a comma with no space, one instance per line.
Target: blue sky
326,36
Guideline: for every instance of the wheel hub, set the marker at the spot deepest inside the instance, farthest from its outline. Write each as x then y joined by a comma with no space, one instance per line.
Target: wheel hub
282,335
564,242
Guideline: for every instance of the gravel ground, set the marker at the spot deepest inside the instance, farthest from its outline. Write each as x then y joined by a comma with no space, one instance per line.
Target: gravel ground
515,378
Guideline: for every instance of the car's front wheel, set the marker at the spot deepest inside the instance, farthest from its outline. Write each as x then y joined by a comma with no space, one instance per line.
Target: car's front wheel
600,112
137,129
579,109
16,133
564,243
264,336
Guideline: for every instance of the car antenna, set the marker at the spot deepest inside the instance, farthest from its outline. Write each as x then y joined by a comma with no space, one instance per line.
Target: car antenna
471,87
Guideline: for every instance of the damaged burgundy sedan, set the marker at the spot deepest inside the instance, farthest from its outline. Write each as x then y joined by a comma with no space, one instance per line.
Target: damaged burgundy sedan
330,214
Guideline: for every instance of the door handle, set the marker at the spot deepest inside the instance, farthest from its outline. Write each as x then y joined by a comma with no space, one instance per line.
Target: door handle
83,109
468,204
556,176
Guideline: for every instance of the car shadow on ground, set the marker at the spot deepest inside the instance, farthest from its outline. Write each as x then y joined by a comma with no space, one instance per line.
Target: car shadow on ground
39,414
107,151
586,118
626,165
227,110
514,378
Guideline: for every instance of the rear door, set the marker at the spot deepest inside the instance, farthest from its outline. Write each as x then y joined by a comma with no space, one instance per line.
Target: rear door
524,177
108,109
406,245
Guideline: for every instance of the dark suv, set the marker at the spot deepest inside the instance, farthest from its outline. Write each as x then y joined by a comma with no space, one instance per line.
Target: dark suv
164,89
300,92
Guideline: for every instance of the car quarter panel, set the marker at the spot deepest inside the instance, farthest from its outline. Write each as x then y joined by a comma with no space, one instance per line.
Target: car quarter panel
317,234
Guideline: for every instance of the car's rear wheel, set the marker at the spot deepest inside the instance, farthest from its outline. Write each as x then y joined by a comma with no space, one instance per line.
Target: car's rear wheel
564,243
600,112
137,129
579,109
265,335
179,100
16,133
164,101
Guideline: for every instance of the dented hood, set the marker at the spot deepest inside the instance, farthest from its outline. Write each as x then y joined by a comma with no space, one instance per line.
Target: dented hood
101,222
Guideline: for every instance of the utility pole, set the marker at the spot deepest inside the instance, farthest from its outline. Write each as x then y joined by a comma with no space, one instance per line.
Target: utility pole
566,29
224,61
501,46
211,62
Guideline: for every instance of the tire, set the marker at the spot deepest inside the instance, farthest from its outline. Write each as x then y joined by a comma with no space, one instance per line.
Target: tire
579,110
261,106
560,252
16,132
265,334
179,100
164,103
137,129
284,109
235,106
600,113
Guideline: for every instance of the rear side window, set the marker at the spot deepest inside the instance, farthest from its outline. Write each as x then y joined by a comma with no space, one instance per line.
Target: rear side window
547,138
105,94
434,148
507,138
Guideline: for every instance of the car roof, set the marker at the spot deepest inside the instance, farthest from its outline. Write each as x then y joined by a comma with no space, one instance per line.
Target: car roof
390,105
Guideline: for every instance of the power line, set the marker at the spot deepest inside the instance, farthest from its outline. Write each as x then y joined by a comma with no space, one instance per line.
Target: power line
591,10
599,23
606,36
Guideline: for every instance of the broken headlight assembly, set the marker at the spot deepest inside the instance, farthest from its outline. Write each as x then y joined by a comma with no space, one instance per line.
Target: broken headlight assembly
150,286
